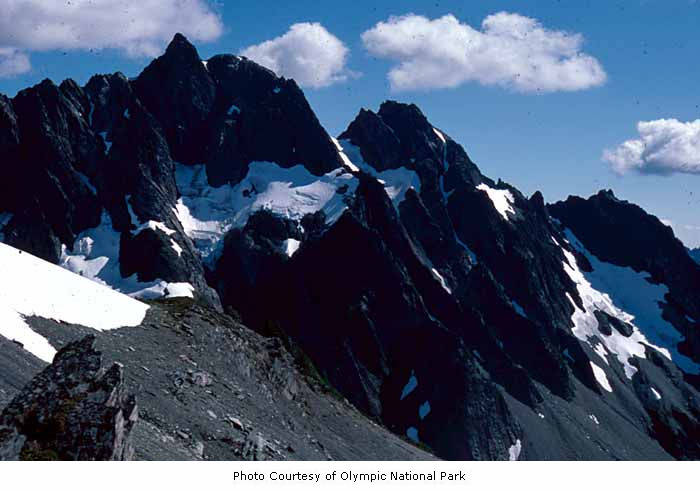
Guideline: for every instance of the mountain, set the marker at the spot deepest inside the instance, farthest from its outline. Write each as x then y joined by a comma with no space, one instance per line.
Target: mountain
448,307
695,254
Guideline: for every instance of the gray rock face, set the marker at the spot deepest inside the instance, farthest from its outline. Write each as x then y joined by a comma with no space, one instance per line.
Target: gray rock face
73,410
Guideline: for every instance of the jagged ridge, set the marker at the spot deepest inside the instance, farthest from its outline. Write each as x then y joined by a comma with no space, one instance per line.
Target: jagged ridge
450,307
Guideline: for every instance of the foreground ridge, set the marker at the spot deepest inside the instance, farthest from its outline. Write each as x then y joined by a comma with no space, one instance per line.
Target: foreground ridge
73,410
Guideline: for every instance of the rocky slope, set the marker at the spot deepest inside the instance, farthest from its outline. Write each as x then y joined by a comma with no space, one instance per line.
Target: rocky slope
207,388
451,308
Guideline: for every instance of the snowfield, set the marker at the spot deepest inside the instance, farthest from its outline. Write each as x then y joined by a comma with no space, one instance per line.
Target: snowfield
395,181
34,287
207,213
95,256
627,295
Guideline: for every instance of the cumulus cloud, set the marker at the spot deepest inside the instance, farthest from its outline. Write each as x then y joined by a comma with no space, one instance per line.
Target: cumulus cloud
664,146
12,62
138,27
307,52
509,50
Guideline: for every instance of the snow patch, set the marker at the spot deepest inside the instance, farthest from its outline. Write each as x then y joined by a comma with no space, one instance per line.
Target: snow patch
153,225
424,410
176,247
502,199
207,213
627,295
233,110
470,253
343,157
440,136
290,246
518,309
276,90
600,377
594,419
4,220
442,281
86,181
409,387
127,115
412,434
514,451
108,144
172,290
34,287
395,181
149,224
656,394
95,256
602,352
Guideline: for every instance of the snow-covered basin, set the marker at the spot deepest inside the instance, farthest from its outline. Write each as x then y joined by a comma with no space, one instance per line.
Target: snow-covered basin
207,213
95,256
33,287
396,182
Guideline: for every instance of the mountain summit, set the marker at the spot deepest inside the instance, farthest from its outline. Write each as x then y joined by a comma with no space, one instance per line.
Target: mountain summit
457,312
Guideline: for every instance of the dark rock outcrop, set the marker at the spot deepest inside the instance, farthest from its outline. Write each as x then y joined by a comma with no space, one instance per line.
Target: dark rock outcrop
73,410
177,89
261,117
53,158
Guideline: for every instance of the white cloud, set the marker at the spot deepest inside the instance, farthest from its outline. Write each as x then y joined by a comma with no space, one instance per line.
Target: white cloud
307,52
510,51
664,146
138,27
12,62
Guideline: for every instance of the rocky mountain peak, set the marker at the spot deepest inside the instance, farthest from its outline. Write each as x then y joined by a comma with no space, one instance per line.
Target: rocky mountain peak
180,49
177,89
399,114
607,194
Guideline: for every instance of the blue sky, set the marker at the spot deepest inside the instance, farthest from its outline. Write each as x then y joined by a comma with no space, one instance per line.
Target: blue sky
552,141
